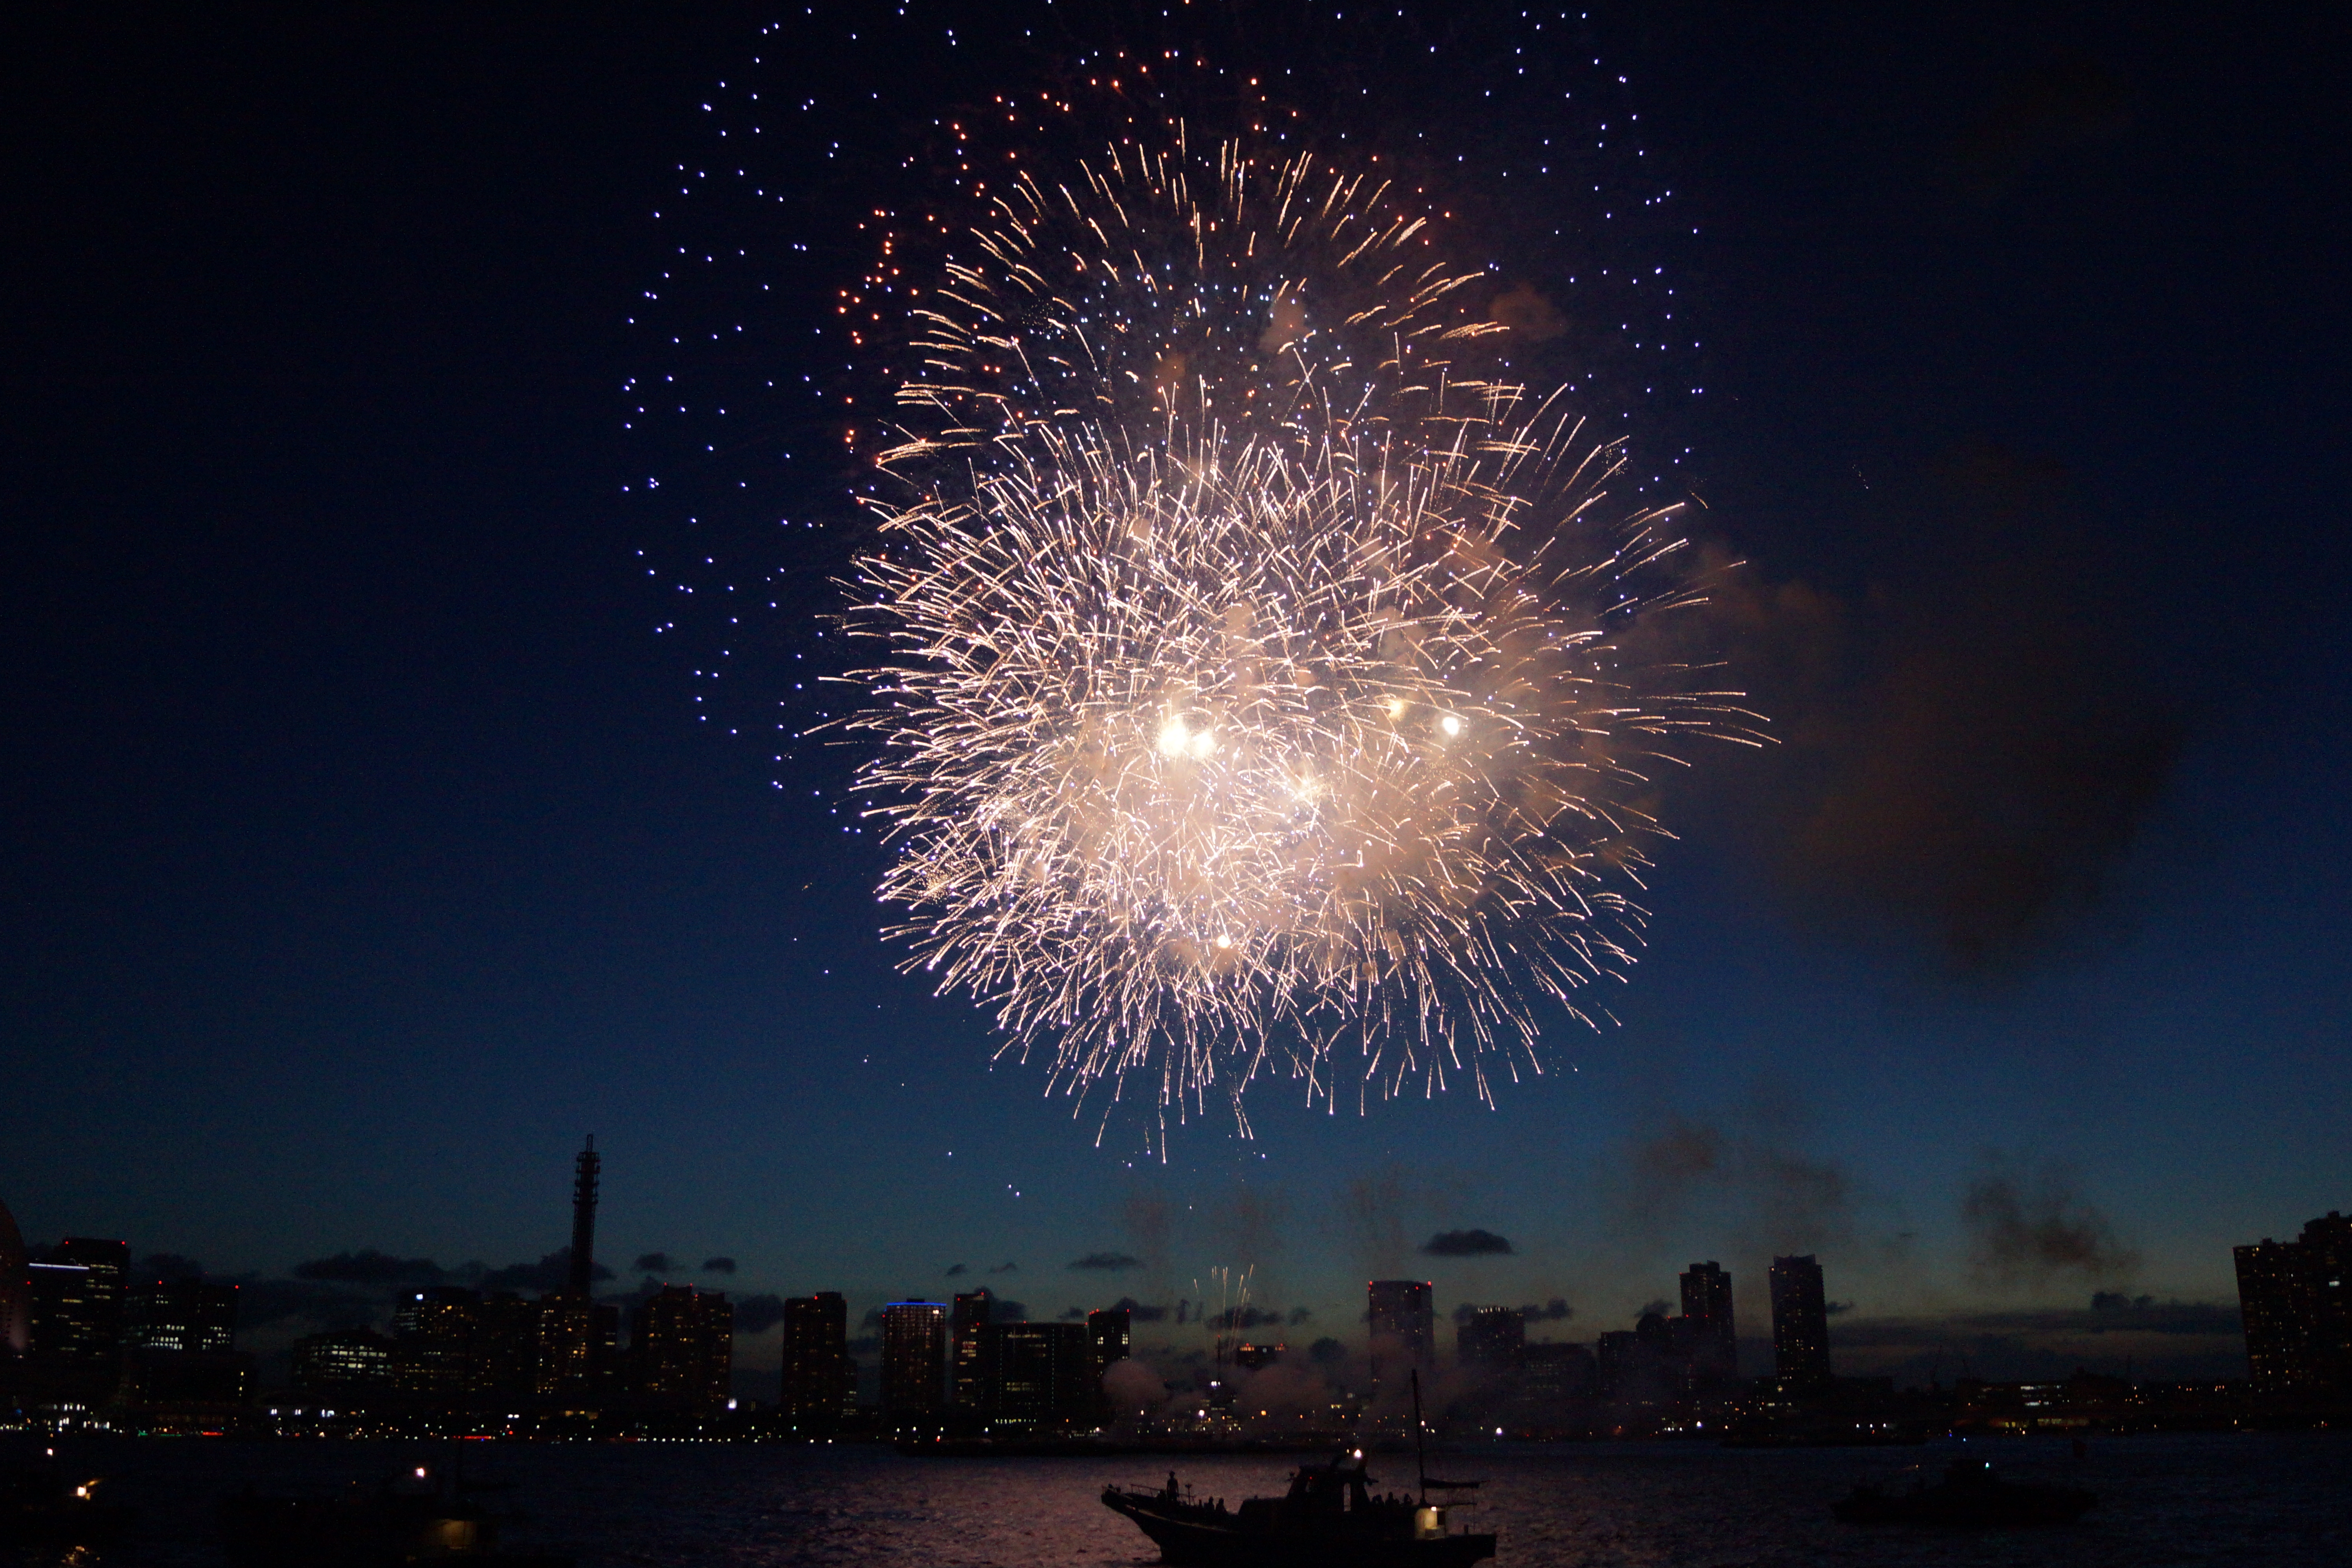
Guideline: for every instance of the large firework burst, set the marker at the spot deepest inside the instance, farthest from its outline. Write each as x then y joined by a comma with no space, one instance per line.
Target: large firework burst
1264,687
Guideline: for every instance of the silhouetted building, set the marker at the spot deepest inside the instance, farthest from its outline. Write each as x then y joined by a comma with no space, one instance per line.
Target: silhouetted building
180,1344
1402,1319
502,1358
1712,1346
682,1348
820,1382
1801,1326
583,1221
354,1362
1036,1377
970,1316
2295,1298
1489,1339
576,1339
16,1290
1552,1375
1109,1336
77,1294
433,1337
194,1317
1251,1357
914,1358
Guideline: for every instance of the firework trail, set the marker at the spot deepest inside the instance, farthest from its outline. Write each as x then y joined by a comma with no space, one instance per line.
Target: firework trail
1267,685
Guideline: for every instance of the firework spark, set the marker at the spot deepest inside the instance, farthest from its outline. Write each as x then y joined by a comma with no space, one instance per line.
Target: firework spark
1265,678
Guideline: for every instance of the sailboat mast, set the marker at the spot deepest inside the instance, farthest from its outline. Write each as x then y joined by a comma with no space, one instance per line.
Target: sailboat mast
1419,1437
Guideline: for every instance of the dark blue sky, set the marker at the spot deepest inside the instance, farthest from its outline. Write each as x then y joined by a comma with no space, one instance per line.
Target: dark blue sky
363,848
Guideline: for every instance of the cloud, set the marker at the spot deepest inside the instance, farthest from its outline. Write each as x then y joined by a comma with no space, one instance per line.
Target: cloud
1750,1181
757,1314
1298,1315
1552,1311
1005,1310
172,1265
1140,1311
369,1267
1832,1309
553,1272
1327,1352
261,1302
653,1263
1074,1314
1006,1268
2027,1230
718,1266
954,1269
1466,1244
1111,1262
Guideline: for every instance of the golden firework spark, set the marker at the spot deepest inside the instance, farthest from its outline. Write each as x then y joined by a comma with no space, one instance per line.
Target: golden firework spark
1262,680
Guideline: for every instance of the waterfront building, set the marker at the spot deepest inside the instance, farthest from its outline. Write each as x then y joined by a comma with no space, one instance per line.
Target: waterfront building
1552,1375
914,1358
1250,1357
77,1302
1490,1339
1109,1337
585,1168
1036,1377
194,1317
970,1316
433,1337
1402,1320
1801,1326
820,1382
503,1357
346,1362
576,1339
1711,1343
682,1348
15,1291
2295,1299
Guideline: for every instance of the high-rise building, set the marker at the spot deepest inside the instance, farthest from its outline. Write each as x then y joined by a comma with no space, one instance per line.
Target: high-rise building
1800,1325
1036,1377
76,1292
1250,1357
433,1337
503,1357
820,1383
1402,1318
1109,1337
346,1361
195,1317
1713,1345
970,1315
914,1358
2295,1298
16,1290
584,1220
1490,1339
576,1339
1551,1374
180,1344
682,1349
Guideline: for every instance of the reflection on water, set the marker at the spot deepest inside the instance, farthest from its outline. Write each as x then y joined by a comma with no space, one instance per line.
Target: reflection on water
2196,1500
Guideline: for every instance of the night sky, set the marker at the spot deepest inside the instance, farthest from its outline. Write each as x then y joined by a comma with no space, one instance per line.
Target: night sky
394,792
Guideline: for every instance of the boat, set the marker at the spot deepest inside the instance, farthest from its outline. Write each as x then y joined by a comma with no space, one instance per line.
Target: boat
390,1527
44,1504
1969,1495
1329,1518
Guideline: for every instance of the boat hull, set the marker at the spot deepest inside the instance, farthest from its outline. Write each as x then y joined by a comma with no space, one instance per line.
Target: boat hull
1194,1543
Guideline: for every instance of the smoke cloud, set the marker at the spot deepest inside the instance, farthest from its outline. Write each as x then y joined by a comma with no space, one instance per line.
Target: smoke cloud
2024,1231
653,1263
718,1266
1967,748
